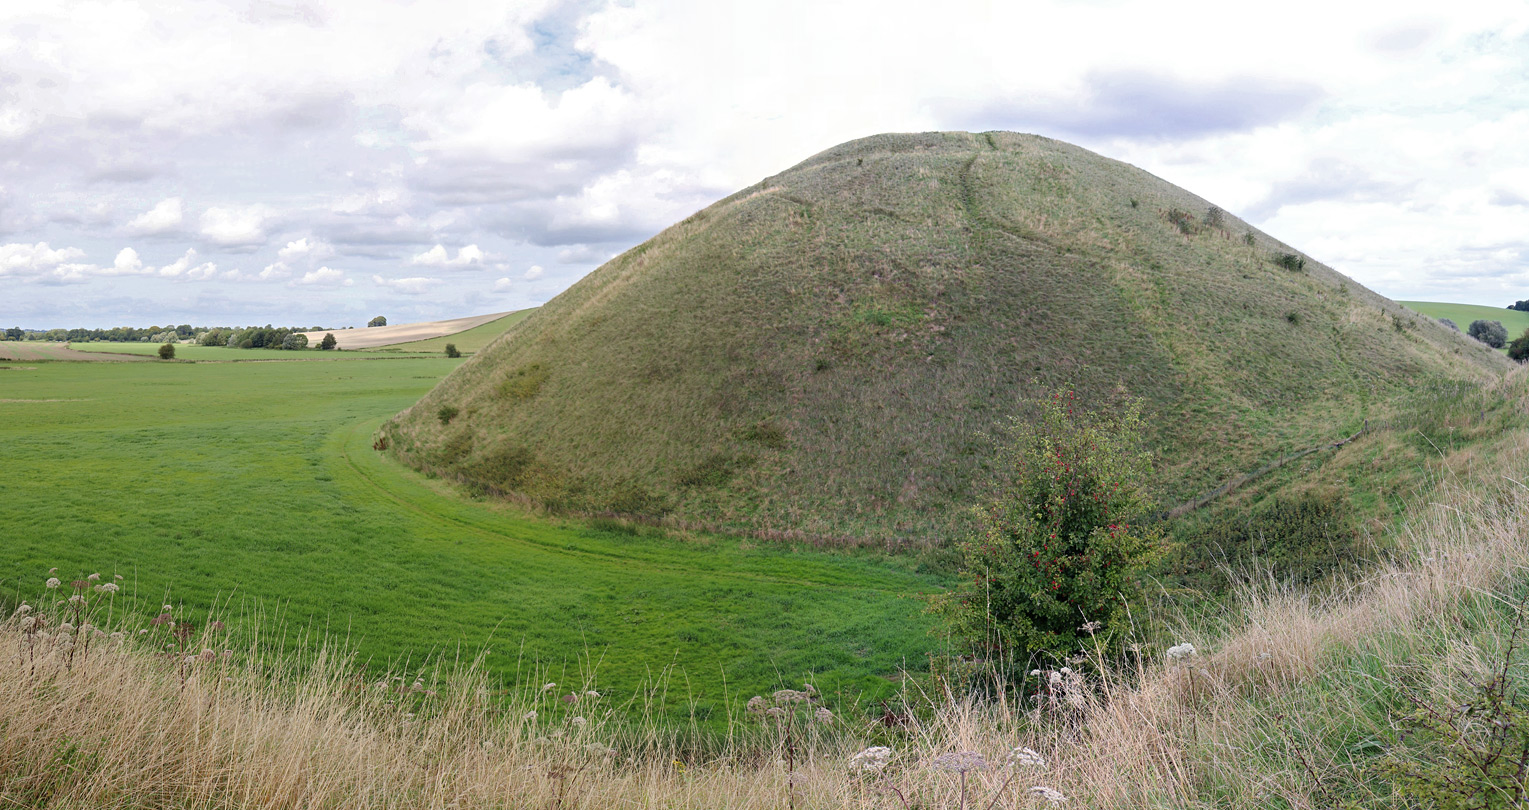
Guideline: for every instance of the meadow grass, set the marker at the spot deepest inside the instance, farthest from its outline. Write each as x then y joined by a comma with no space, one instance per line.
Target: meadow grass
186,351
467,341
257,481
1290,699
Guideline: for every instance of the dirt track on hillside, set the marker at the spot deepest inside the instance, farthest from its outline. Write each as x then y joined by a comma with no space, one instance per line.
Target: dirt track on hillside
60,351
373,336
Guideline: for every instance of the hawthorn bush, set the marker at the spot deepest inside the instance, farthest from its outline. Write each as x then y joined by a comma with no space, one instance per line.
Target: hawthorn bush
1060,547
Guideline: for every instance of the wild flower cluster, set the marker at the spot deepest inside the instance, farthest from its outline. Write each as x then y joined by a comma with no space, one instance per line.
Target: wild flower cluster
872,764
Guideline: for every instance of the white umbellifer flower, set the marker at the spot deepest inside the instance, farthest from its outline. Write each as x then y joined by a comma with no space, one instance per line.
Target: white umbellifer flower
117,577
94,578
756,705
417,686
1179,652
578,721
775,712
76,600
52,582
209,655
167,609
592,694
871,760
785,696
143,632
27,623
1049,794
1056,679
823,715
1026,756
1034,672
959,761
65,627
24,609
530,715
118,636
110,587
549,686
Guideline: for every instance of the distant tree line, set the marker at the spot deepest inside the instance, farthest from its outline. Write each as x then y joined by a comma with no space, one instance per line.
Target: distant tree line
239,337
1521,306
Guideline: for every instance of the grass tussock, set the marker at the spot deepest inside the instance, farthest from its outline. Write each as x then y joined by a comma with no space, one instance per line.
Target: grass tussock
1290,699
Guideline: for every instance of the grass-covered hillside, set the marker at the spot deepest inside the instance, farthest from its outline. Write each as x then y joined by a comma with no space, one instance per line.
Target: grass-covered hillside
828,353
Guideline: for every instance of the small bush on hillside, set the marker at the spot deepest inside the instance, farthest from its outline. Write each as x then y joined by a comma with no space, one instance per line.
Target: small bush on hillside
1449,323
524,382
167,351
1059,550
446,414
294,342
1215,218
328,342
1519,348
455,448
1249,239
377,321
1492,333
1293,318
1184,220
1290,261
451,350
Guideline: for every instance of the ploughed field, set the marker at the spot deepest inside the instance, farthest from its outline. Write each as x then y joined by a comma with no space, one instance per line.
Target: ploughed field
255,484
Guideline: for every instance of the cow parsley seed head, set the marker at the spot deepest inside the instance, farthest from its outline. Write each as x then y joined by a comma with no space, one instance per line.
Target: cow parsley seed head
1026,756
76,600
66,627
823,715
24,609
1180,652
94,578
756,705
579,721
871,760
53,582
530,715
1049,794
167,609
28,623
592,694
549,686
959,761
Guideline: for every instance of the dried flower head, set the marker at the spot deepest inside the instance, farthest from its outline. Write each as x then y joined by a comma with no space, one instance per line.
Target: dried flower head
530,715
756,705
787,696
549,686
823,715
24,609
592,694
53,582
52,571
209,656
216,625
871,760
1049,794
117,577
93,578
110,587
1091,627
579,721
1026,756
28,624
76,599
775,712
959,761
167,609
600,750
66,627
1180,652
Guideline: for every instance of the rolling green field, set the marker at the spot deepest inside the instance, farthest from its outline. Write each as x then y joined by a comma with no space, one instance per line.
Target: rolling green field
257,482
467,342
1462,314
220,353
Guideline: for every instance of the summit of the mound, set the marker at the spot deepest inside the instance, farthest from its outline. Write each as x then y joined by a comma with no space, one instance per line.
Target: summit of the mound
827,352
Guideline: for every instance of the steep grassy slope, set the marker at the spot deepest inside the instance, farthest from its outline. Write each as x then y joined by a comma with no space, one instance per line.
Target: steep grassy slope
826,352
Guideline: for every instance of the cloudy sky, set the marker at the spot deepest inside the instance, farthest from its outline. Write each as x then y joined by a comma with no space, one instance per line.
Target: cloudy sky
318,162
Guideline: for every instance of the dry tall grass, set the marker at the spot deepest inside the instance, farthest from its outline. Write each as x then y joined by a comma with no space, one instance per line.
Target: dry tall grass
1285,705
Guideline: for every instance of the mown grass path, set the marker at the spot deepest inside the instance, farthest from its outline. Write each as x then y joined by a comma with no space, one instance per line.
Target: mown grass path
258,480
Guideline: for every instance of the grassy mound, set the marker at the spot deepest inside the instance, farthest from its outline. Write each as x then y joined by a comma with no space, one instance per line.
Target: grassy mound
826,354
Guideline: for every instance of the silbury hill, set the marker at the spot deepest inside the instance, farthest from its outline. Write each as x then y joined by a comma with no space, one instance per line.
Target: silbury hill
832,353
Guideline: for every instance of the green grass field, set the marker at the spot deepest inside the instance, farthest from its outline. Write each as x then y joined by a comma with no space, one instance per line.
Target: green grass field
258,482
221,353
1462,314
466,342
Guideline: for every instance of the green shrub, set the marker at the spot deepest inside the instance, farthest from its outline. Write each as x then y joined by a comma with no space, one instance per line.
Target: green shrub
455,448
1215,218
1290,261
294,342
328,342
1449,323
1184,220
167,351
1058,544
377,321
524,382
451,350
1492,333
1519,348
446,414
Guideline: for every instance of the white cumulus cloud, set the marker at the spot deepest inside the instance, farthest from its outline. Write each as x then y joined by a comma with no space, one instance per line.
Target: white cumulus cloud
20,259
235,226
324,277
439,256
305,248
534,273
164,217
